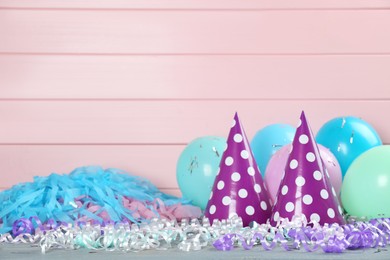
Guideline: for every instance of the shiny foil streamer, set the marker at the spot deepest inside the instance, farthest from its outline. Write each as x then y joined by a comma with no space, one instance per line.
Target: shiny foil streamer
189,235
330,238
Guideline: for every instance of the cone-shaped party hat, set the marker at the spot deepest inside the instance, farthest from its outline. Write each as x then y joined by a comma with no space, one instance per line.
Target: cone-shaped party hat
305,189
238,187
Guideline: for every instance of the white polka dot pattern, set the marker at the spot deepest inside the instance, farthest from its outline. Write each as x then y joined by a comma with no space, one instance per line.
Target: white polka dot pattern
244,154
317,175
263,205
290,207
243,193
324,194
303,139
300,181
251,171
284,190
310,157
257,188
226,200
220,185
331,213
276,216
293,164
229,161
315,217
236,176
307,199
237,138
250,210
212,209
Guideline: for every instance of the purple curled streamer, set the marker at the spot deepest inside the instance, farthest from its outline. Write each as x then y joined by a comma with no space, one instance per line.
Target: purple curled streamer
22,226
331,239
26,226
225,243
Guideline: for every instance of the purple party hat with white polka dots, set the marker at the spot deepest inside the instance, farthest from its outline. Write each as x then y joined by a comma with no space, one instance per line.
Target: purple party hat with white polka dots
238,187
305,189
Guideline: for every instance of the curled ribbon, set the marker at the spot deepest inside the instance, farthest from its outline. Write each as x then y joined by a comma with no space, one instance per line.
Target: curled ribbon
296,233
195,234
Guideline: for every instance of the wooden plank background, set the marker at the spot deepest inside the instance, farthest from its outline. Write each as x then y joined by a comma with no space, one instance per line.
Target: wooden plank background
126,83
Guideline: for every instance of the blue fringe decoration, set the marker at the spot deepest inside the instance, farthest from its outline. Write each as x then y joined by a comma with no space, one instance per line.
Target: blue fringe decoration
53,197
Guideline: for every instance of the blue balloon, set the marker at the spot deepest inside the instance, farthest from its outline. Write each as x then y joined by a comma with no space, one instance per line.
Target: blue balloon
197,167
268,141
347,138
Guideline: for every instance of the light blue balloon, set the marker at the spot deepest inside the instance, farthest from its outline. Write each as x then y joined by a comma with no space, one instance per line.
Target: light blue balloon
197,167
347,138
268,141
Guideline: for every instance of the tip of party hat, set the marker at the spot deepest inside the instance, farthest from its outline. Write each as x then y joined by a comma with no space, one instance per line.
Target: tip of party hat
236,115
303,116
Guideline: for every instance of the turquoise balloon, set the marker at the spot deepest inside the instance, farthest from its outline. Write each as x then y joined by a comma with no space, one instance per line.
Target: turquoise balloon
347,138
197,167
268,141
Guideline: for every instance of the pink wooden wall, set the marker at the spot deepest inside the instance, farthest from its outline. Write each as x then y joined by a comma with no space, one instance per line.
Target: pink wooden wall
128,83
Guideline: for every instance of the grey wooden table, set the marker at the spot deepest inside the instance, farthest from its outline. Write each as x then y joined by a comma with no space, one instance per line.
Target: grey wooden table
23,251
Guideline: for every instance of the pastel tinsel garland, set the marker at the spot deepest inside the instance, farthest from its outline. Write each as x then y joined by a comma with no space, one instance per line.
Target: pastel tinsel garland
90,193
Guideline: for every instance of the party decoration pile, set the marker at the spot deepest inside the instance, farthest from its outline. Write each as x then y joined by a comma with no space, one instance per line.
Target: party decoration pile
238,187
305,189
90,194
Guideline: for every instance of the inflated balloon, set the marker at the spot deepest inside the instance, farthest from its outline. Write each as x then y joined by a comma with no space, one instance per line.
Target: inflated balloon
268,141
366,188
197,167
276,166
347,138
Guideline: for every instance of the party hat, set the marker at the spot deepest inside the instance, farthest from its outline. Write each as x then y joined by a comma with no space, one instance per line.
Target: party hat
238,187
305,189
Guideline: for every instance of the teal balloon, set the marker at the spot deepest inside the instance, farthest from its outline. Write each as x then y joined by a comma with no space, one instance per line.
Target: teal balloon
366,188
268,140
347,138
197,167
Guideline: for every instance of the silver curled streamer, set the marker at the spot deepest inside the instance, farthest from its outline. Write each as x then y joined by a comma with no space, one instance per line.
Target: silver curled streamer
188,235
195,234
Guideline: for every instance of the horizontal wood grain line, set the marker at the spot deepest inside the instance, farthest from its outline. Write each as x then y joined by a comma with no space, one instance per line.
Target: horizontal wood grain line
183,99
81,31
156,163
167,78
347,99
196,4
244,54
97,9
166,122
